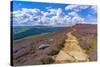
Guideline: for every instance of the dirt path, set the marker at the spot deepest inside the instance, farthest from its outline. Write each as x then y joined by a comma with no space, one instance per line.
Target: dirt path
71,52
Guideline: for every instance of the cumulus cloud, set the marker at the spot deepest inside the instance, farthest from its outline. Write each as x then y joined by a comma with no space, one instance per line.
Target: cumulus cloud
76,8
51,17
72,13
26,16
37,17
70,7
75,18
94,8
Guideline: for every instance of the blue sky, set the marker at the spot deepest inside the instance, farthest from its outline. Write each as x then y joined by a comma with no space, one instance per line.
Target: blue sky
39,13
40,5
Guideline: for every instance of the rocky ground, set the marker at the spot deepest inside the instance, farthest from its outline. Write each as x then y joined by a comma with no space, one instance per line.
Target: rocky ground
72,52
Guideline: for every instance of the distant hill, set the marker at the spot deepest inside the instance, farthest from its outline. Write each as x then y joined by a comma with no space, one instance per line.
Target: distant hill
24,31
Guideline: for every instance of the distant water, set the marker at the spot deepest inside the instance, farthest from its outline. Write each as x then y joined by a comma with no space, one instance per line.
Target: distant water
29,30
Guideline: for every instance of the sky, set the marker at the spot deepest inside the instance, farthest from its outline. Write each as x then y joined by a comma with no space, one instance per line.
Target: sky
26,13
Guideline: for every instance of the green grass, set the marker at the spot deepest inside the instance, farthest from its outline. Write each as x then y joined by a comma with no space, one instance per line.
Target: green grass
92,42
34,36
21,30
93,46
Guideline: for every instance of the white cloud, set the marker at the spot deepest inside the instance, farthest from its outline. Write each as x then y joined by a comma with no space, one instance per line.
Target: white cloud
59,12
53,11
76,8
84,6
53,17
48,7
94,8
26,16
70,7
77,19
72,13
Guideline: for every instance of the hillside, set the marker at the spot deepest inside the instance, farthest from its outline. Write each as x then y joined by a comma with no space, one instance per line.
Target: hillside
87,36
46,49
